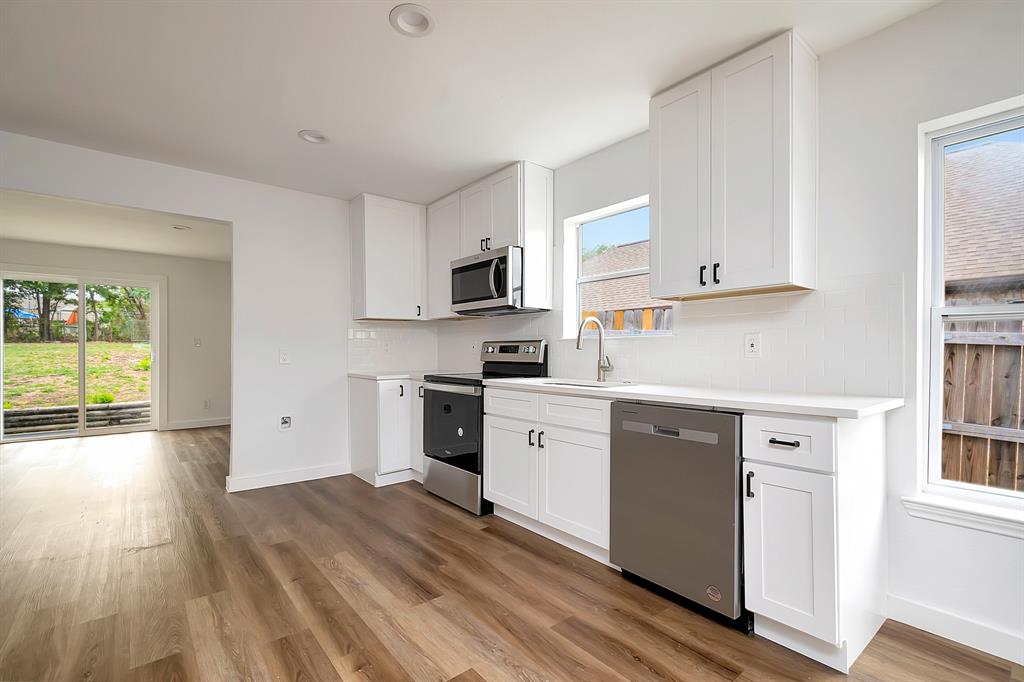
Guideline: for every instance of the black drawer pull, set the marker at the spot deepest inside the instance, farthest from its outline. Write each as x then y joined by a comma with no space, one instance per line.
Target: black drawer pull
529,437
750,475
787,443
401,391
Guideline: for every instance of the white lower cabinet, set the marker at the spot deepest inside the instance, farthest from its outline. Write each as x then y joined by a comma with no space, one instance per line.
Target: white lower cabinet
510,464
417,427
545,471
815,564
381,429
789,542
573,483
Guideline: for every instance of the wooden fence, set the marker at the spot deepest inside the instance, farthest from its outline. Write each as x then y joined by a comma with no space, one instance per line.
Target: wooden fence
635,320
982,431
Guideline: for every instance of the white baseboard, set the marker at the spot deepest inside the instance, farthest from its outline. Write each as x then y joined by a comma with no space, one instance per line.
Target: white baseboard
238,483
991,640
196,423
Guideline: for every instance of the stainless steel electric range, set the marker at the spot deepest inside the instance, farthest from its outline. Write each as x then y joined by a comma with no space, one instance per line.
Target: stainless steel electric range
453,420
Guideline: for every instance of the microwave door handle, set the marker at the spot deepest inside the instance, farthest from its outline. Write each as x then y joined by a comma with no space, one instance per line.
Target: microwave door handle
490,278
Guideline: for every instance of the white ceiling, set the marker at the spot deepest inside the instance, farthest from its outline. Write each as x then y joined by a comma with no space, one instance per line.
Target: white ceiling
54,220
224,86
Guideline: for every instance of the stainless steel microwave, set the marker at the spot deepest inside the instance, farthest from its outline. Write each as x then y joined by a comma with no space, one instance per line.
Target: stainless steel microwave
489,283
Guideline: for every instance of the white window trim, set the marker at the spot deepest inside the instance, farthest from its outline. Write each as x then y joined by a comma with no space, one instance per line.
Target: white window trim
994,511
571,266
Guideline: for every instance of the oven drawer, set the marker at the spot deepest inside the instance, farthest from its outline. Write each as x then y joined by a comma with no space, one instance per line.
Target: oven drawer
805,442
515,404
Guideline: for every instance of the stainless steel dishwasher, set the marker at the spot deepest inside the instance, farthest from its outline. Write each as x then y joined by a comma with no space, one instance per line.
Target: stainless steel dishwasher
675,502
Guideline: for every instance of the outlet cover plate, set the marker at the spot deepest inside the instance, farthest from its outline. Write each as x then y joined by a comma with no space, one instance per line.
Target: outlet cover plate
752,345
285,424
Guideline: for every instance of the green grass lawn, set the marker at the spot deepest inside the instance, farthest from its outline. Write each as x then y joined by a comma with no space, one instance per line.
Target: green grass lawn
46,374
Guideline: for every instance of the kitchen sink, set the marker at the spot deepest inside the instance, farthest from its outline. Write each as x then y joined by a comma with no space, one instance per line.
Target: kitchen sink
582,383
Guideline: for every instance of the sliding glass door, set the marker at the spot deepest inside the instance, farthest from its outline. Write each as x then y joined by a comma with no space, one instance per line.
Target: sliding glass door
78,356
40,358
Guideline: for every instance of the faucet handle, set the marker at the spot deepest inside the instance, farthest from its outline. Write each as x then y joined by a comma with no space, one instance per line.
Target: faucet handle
607,364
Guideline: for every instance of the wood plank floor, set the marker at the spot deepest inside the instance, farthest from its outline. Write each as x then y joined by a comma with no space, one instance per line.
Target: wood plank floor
122,558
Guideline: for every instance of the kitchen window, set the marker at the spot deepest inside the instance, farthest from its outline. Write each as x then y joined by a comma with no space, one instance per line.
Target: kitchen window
610,262
974,220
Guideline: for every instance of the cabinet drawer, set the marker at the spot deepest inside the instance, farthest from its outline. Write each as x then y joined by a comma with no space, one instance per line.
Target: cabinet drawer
516,404
805,442
577,413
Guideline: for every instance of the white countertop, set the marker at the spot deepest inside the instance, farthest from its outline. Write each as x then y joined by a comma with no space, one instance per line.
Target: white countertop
839,406
412,374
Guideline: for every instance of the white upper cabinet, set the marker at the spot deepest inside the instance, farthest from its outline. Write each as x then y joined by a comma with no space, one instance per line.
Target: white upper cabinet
681,187
388,258
514,207
733,176
443,246
490,212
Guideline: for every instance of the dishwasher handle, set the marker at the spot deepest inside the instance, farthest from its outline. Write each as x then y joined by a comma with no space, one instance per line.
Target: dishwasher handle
648,429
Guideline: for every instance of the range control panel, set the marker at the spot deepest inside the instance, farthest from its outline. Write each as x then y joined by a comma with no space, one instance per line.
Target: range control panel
514,351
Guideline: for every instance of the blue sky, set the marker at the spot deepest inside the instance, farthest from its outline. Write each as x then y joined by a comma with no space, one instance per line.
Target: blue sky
623,228
1015,135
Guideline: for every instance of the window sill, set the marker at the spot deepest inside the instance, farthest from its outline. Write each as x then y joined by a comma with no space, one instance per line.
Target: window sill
974,515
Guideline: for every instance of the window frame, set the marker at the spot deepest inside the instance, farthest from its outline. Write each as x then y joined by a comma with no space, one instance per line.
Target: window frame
574,266
935,136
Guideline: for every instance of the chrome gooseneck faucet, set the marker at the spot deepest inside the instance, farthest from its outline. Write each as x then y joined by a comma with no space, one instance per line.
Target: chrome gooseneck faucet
604,364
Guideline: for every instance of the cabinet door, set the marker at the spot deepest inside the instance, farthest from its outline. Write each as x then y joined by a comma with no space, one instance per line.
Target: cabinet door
417,426
475,208
573,482
505,208
750,167
510,464
443,246
394,236
394,425
681,188
789,544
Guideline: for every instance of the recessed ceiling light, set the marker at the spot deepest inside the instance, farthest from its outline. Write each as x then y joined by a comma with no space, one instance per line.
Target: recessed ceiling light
180,227
412,20
313,136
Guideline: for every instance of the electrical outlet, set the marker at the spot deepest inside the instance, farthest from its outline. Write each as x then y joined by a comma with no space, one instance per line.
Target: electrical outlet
283,357
752,345
284,424
197,341
207,403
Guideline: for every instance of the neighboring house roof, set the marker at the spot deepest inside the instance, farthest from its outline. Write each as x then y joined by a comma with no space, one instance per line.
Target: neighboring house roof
624,293
616,258
983,212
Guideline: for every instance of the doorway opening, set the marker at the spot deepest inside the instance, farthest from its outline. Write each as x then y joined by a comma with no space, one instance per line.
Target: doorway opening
79,355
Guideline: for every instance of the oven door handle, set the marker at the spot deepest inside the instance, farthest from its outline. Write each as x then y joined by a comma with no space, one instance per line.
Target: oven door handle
490,278
453,388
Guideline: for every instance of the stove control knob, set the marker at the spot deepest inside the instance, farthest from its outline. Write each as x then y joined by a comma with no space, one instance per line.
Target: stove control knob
489,349
531,349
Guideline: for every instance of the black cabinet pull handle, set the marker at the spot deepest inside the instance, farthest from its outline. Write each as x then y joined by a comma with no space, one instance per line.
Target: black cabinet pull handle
714,274
420,391
419,310
487,243
540,442
482,245
703,282
750,475
787,443
401,390
529,437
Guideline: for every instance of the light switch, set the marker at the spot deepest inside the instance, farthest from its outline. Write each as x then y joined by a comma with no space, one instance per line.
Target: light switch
196,341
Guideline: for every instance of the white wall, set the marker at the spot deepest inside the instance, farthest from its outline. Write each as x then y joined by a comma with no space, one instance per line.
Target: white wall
857,333
290,285
198,300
